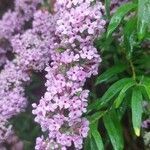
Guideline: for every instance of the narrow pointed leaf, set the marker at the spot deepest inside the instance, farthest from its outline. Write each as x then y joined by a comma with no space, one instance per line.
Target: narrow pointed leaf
147,88
143,17
117,17
137,110
110,72
96,136
146,83
87,144
130,35
95,117
122,93
112,91
113,127
109,94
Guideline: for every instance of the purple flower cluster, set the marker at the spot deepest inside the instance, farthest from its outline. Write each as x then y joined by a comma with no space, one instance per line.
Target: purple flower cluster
13,142
146,124
62,41
14,22
12,99
76,24
14,74
11,90
26,8
5,129
32,51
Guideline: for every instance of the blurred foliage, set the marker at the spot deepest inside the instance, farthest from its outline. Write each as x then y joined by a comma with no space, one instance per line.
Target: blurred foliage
25,127
123,86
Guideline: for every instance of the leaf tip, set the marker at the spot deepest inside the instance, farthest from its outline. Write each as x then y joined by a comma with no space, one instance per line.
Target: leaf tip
137,131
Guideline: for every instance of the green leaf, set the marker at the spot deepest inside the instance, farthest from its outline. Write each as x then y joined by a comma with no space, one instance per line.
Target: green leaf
137,110
94,140
147,89
130,35
93,106
107,7
95,117
87,144
118,16
112,91
110,72
93,144
143,17
114,130
123,108
96,136
143,62
109,94
146,84
122,93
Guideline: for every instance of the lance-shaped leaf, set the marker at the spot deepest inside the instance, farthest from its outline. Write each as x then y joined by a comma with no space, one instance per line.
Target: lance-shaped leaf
113,127
117,17
109,94
137,110
143,17
123,92
110,72
96,136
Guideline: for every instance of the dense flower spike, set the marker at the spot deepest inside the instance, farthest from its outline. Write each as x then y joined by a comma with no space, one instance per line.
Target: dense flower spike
5,129
73,60
32,51
13,75
64,42
27,8
14,22
12,94
10,23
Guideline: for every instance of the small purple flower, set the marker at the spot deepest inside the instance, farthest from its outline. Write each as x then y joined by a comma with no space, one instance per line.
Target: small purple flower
76,24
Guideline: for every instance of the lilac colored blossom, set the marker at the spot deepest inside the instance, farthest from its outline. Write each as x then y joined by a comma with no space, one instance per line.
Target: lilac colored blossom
32,51
27,7
80,24
30,54
16,102
15,73
10,24
44,24
5,129
13,142
11,90
13,22
42,144
64,42
73,60
146,124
